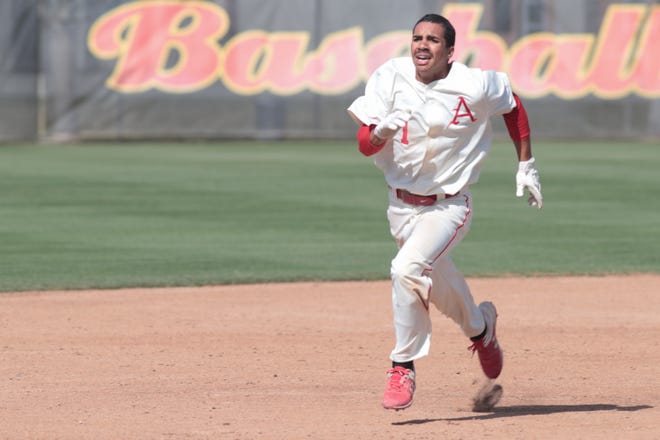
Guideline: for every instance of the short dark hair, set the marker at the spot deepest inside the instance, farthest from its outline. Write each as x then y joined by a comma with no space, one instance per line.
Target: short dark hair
450,32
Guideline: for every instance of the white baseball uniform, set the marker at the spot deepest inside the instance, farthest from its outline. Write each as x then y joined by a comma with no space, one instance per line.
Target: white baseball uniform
440,152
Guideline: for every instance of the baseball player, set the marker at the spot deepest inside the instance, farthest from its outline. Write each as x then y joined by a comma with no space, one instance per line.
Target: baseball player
425,121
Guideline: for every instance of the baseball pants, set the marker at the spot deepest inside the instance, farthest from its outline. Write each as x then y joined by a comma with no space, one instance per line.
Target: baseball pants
422,272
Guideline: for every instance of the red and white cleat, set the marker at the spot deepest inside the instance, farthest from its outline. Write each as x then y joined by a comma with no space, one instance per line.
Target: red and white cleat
488,349
400,388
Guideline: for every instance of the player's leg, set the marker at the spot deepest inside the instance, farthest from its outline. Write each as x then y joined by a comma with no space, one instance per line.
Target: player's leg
452,296
412,324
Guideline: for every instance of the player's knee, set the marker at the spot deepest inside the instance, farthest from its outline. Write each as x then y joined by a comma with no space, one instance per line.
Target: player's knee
411,287
406,273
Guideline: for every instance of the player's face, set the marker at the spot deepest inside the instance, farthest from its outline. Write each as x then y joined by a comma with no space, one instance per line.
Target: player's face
429,52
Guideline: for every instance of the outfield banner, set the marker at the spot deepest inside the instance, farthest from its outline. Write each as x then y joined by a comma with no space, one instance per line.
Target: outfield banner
180,69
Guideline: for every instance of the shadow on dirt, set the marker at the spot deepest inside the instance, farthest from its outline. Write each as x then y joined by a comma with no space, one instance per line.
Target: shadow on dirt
528,410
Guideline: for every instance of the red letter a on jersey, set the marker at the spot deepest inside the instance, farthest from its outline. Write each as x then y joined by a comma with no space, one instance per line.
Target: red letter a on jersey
462,106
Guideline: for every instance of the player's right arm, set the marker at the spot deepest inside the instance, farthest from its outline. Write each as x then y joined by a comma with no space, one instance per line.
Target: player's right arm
372,138
368,142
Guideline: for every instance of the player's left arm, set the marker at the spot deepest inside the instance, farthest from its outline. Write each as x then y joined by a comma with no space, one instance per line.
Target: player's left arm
527,177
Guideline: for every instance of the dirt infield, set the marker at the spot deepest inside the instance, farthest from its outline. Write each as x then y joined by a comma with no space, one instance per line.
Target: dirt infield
307,361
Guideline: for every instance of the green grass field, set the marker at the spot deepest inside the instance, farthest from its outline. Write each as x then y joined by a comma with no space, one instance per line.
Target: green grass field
106,216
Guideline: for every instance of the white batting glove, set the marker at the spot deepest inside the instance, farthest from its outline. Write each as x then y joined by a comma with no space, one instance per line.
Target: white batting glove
527,177
392,123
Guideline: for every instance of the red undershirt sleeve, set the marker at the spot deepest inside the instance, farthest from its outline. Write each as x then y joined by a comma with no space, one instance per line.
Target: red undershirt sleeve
517,122
364,144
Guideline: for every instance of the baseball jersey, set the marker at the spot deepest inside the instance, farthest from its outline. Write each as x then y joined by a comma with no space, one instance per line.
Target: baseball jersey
443,145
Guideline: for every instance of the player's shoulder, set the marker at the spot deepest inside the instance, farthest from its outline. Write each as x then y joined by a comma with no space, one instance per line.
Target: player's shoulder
400,65
403,63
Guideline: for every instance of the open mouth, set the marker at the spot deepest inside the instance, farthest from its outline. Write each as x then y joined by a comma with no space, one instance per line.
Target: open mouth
422,58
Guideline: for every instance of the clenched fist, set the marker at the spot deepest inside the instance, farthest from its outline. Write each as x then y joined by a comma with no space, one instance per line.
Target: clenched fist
392,123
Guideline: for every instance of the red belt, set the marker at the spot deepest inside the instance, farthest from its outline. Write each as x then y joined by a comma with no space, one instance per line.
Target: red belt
419,200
